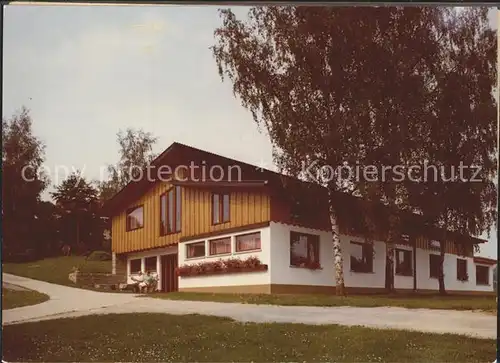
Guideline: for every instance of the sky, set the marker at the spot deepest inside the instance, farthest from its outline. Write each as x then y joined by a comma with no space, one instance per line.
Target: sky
86,72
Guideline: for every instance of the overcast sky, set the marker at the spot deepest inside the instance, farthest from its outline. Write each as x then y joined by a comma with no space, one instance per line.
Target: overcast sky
86,72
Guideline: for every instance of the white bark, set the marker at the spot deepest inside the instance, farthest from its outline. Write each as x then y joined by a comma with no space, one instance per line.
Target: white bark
113,263
337,251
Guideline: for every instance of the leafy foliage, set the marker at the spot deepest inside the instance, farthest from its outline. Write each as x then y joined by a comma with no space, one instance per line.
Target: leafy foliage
79,202
384,92
136,152
22,183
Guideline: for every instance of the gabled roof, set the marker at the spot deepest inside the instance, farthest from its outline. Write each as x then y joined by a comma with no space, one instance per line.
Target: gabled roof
179,154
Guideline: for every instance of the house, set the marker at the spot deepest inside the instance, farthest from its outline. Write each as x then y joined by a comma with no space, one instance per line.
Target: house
196,209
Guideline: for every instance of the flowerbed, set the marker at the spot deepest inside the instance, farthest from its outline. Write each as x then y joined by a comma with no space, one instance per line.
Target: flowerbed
220,267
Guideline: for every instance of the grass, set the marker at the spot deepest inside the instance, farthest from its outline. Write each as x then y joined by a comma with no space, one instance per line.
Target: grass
195,338
410,301
57,269
14,299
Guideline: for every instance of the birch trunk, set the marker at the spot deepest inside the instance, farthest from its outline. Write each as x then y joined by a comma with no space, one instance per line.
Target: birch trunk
442,246
389,262
337,255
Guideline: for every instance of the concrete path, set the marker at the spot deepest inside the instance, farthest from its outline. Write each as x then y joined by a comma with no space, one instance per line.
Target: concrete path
8,286
72,302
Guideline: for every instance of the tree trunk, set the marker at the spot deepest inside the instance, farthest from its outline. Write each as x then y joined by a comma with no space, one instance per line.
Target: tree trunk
389,267
414,244
442,244
389,263
337,255
77,231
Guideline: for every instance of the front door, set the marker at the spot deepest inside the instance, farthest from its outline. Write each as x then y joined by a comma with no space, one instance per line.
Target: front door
168,277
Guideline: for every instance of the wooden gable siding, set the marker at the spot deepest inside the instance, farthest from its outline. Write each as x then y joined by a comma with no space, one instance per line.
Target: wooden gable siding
246,207
148,236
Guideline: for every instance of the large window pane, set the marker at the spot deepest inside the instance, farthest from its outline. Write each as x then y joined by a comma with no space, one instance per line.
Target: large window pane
215,209
178,201
150,263
361,257
135,218
135,266
225,208
304,249
248,242
196,249
220,246
170,202
482,275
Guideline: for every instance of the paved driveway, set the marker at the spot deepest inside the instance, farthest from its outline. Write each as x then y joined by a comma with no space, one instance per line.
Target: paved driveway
73,302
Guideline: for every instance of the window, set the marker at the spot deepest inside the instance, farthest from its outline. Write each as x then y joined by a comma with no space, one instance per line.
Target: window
195,250
462,270
150,264
248,242
170,211
404,262
482,275
304,249
434,262
220,246
361,257
220,208
135,218
135,266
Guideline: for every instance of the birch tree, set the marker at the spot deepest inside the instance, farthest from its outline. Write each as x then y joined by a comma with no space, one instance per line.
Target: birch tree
351,87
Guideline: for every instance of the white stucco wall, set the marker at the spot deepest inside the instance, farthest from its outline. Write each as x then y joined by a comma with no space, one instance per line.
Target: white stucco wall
275,252
283,273
149,253
233,279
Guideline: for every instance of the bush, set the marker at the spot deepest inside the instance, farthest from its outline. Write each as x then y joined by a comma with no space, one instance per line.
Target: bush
99,256
29,255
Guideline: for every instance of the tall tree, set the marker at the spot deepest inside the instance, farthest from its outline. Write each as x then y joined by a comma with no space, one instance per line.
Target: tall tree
461,133
23,181
78,200
136,151
358,96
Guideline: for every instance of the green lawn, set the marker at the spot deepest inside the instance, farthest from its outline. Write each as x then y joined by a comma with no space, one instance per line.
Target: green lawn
195,338
57,269
14,299
485,303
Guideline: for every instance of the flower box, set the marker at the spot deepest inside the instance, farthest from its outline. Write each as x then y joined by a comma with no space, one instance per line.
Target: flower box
226,271
222,267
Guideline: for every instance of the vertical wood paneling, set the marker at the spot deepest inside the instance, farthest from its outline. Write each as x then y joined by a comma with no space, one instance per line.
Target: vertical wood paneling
246,207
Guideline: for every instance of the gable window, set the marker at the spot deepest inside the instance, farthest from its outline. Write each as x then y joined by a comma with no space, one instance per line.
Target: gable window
434,266
404,262
150,263
135,218
220,208
482,275
135,266
195,249
248,242
304,249
361,257
220,246
170,211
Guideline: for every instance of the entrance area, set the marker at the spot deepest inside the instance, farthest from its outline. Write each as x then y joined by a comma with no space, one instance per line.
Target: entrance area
168,277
